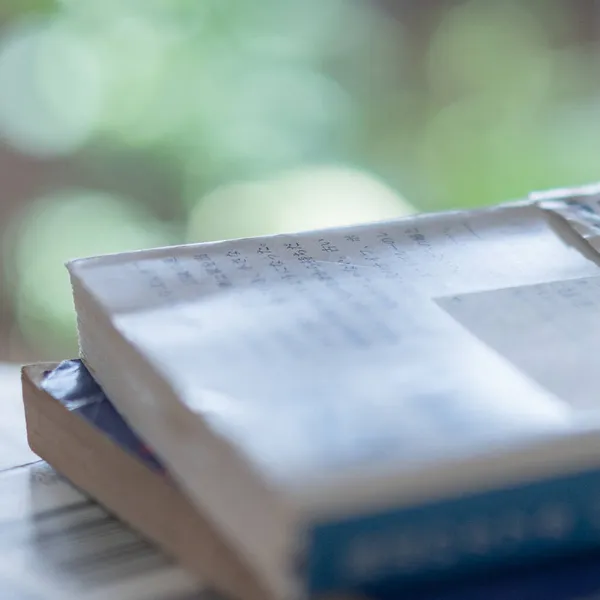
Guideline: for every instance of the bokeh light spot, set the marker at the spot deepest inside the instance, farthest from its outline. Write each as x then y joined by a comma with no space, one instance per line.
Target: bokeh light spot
61,227
51,89
297,200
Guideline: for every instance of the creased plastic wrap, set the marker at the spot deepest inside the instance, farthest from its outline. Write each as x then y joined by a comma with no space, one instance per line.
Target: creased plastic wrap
73,386
578,207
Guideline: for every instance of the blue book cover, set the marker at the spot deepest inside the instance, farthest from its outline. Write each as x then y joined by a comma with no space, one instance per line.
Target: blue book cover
573,579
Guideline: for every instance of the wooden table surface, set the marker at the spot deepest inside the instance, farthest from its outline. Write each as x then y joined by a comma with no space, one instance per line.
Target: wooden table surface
14,450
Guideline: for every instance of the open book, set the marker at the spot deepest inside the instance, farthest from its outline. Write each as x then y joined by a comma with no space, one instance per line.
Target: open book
355,405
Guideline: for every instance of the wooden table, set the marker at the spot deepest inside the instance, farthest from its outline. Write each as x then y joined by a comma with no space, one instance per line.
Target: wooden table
59,544
14,450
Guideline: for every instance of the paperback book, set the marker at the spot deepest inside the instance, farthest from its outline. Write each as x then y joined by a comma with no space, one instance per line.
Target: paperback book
387,403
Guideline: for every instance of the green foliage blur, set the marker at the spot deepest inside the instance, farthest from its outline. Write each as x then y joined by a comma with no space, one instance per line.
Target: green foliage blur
187,120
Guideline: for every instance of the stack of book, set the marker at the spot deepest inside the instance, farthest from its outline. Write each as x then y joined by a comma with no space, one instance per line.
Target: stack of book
400,409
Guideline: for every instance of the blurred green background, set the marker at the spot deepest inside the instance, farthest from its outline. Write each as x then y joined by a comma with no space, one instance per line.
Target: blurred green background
133,123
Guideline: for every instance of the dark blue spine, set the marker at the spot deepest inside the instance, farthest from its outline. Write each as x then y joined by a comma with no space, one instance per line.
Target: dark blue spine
462,536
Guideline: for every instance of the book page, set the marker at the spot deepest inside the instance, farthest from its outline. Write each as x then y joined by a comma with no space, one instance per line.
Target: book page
59,545
550,331
335,379
437,254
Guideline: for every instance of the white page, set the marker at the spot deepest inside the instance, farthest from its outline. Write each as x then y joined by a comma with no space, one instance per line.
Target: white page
333,386
436,254
57,544
551,331
14,450
325,361
313,324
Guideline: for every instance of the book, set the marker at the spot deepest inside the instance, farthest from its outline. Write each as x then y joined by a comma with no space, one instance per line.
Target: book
391,402
73,425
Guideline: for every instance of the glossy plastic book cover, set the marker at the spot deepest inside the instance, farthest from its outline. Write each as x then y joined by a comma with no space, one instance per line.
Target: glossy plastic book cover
72,385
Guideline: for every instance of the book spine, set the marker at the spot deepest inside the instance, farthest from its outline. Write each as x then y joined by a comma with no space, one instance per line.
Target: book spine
574,580
449,539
